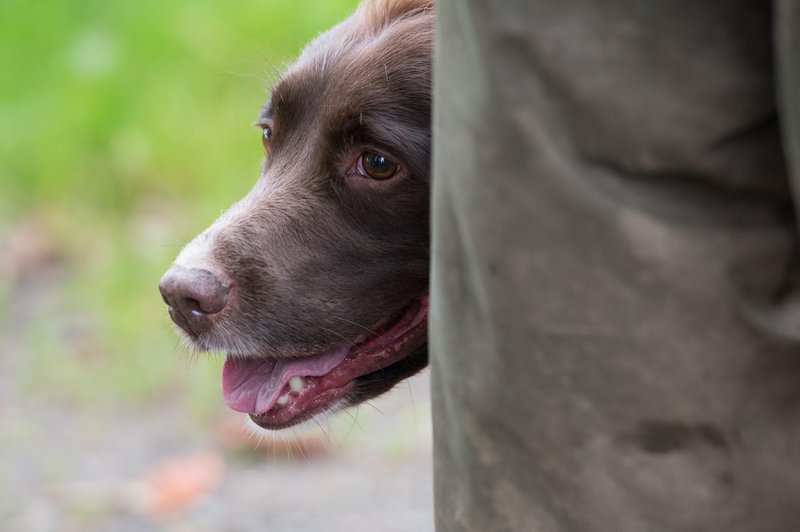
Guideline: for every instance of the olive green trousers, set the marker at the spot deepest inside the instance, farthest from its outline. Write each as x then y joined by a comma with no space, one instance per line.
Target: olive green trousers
615,320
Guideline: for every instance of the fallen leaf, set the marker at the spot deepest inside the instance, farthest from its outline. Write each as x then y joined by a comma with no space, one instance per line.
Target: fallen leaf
177,482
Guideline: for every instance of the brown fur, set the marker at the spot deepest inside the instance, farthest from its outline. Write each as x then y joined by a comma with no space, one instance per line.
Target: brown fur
376,14
313,253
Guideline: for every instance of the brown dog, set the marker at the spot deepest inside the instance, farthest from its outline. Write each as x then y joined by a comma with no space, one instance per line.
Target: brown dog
315,283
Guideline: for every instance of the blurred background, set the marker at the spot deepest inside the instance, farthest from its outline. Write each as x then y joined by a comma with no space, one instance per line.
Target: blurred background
125,128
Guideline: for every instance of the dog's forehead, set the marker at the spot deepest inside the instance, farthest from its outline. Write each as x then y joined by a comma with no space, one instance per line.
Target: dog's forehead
379,34
354,64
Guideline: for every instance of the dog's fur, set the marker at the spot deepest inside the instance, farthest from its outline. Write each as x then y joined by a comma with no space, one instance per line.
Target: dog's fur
316,253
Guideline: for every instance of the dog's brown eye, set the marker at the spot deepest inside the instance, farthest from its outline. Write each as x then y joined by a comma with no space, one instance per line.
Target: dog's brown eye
266,135
376,166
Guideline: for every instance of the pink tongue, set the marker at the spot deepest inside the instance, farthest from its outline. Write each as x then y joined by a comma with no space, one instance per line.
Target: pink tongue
252,385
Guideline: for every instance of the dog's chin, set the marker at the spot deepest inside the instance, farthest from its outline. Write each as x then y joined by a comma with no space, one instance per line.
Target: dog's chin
281,392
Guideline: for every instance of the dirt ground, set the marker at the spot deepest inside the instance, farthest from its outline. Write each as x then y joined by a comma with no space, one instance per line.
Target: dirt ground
65,470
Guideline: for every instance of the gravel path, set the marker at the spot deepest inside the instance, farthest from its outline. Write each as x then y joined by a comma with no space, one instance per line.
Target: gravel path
66,470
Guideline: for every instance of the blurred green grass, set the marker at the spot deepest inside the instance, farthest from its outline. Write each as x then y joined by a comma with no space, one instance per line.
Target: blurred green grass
125,127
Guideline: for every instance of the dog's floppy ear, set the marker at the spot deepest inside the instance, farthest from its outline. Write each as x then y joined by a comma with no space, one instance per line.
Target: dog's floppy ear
379,13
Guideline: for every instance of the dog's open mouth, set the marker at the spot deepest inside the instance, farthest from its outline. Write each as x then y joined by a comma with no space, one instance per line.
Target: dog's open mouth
278,393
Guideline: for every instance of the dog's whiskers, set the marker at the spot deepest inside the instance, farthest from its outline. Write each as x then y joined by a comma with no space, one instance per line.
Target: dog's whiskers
299,443
355,422
356,324
378,410
339,335
413,408
324,432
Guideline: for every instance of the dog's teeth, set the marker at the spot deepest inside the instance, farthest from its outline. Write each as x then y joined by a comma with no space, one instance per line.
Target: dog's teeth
297,383
283,399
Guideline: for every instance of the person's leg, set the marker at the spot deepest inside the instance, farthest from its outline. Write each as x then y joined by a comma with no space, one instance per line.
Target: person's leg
787,51
613,239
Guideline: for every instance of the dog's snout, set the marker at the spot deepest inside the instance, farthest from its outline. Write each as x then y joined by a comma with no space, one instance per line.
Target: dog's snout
193,295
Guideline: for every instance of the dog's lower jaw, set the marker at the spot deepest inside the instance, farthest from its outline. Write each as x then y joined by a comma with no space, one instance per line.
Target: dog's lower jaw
353,393
379,382
278,393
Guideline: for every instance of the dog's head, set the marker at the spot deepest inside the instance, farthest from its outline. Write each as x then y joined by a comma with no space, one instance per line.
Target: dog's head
315,283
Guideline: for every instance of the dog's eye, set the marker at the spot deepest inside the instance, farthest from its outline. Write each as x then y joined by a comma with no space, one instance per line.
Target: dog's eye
376,166
266,135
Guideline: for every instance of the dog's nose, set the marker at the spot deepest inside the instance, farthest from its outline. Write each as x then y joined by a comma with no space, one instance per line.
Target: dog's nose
193,295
